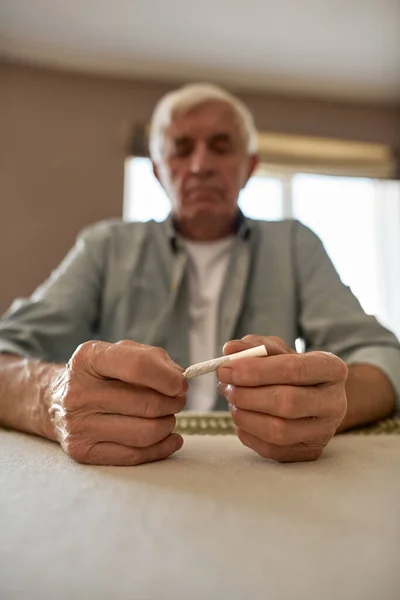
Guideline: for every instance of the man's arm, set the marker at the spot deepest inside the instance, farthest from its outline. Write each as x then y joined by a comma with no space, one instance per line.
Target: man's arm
370,396
64,311
331,319
24,394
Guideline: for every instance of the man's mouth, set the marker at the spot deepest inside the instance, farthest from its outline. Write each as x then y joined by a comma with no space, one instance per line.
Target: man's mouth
205,191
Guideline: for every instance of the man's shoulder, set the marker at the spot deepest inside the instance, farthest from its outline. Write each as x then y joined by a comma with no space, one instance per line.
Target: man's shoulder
110,227
118,230
283,230
274,232
270,226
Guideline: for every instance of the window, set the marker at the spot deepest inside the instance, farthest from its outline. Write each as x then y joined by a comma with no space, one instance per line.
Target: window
357,219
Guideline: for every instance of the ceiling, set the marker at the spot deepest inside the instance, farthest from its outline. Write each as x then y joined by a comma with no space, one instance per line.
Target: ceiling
329,48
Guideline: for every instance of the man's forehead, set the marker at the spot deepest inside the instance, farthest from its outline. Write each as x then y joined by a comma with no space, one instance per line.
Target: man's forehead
205,119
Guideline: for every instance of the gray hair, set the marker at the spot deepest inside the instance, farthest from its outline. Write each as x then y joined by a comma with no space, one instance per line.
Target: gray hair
191,96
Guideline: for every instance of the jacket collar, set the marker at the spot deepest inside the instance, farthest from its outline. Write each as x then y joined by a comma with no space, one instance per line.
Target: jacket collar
243,227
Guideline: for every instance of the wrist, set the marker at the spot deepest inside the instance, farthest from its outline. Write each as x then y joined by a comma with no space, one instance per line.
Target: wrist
50,390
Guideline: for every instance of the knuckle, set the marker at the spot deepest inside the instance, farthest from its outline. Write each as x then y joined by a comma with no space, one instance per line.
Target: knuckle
83,351
279,433
149,407
277,340
83,348
77,449
287,401
126,343
146,434
337,366
157,353
160,352
151,432
301,366
144,359
252,338
87,347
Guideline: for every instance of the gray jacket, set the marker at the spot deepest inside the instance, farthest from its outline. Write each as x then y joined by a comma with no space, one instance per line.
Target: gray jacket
129,281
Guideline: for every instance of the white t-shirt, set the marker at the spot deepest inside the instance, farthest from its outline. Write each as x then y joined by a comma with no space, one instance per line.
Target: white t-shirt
207,266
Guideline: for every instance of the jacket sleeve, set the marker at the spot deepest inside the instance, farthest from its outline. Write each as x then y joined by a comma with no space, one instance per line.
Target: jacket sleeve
64,311
330,316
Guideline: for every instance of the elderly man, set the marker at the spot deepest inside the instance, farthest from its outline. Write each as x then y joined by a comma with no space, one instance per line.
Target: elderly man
175,292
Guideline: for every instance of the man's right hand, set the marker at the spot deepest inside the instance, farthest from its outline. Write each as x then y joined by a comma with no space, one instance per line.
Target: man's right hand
115,404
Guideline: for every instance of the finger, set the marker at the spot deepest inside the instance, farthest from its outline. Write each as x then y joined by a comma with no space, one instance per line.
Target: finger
286,401
133,363
108,453
118,397
274,345
129,431
313,368
295,453
284,432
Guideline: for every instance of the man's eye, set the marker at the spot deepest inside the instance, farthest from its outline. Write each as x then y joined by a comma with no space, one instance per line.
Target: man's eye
182,149
221,146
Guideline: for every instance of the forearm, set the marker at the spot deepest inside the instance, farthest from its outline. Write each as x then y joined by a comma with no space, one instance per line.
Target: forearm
370,396
24,394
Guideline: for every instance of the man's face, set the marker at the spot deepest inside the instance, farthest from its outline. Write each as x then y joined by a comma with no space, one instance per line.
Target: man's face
204,163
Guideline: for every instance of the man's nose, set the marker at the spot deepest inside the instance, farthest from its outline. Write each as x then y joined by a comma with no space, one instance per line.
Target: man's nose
201,162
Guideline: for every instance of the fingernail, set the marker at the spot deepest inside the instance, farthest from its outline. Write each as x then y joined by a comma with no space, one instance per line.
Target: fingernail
221,387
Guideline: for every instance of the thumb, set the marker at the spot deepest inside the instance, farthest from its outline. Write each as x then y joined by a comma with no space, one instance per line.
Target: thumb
274,345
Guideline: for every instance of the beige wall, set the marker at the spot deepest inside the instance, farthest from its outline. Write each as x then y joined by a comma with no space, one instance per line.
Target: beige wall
62,139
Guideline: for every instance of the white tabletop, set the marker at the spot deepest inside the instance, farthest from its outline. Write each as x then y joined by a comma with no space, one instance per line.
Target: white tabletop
215,521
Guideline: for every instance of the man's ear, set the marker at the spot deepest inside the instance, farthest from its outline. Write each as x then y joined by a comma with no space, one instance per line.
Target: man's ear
253,164
155,171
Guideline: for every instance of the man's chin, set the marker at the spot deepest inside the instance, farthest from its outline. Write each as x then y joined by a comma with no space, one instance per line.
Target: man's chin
205,223
207,211
207,216
208,204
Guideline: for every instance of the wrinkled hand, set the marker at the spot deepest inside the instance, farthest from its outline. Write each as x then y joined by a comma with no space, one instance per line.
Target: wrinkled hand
114,404
286,406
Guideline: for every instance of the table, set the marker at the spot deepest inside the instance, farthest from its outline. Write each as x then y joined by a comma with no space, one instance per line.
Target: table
215,521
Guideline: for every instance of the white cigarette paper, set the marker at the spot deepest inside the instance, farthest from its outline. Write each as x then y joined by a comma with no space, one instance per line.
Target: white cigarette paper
212,365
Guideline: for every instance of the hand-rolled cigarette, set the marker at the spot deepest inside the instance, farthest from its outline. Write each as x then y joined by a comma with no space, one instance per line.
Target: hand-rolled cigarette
212,365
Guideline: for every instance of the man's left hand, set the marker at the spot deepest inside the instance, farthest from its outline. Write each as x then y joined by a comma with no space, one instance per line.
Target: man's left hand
286,406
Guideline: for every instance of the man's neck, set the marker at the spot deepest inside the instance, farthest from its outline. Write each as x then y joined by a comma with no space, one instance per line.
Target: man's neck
206,230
